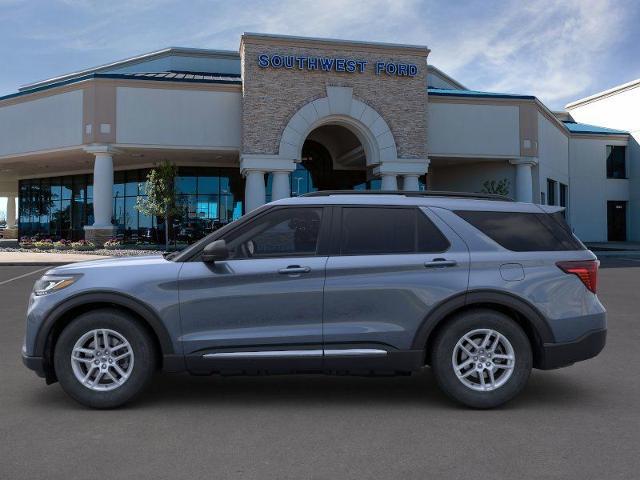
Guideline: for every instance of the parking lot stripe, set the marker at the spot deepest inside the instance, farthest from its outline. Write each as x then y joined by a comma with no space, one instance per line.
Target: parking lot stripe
23,275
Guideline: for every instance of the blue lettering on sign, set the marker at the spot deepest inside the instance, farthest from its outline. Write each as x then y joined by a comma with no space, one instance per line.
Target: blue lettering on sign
263,60
288,61
329,64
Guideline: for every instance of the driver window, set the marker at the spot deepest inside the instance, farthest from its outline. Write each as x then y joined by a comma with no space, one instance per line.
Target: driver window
283,232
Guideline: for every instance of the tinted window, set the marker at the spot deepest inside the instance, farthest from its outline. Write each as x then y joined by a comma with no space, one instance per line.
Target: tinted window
524,232
368,231
283,232
616,167
551,191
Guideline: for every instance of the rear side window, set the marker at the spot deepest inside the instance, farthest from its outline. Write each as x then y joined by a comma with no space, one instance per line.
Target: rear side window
373,230
524,232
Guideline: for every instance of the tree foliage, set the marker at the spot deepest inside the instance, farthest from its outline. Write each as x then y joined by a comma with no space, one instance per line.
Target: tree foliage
160,191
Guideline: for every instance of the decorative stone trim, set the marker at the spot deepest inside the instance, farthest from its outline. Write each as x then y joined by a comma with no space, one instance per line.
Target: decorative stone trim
265,163
341,108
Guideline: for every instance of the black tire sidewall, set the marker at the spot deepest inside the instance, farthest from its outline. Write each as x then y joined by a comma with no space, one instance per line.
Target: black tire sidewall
136,335
446,340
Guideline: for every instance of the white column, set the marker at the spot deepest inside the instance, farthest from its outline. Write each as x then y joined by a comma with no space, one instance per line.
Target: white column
254,190
11,212
280,187
103,189
410,183
524,179
389,182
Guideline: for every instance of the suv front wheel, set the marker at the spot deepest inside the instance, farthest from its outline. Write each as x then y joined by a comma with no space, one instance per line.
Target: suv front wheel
481,358
104,358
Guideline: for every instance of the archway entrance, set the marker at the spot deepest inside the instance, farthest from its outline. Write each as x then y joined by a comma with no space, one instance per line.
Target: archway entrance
332,158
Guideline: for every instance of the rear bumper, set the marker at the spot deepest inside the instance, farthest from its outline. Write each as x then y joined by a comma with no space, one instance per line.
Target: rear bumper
556,355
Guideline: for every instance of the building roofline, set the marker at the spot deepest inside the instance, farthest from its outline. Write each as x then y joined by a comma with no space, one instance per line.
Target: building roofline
133,61
448,78
598,131
445,92
416,49
605,93
116,76
588,129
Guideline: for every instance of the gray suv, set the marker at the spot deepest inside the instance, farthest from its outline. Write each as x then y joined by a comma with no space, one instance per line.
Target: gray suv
479,288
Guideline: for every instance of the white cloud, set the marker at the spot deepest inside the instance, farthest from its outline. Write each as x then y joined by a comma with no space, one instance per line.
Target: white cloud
546,48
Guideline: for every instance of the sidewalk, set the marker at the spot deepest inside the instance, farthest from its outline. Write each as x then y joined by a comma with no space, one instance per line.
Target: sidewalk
36,259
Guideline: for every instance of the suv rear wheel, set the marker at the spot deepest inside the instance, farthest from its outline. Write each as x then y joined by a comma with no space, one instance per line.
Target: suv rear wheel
481,358
104,358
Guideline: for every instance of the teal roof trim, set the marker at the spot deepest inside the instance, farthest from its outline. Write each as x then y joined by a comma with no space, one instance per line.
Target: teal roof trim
585,128
154,77
444,92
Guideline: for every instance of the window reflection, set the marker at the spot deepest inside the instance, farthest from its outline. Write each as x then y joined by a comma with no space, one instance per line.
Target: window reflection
60,207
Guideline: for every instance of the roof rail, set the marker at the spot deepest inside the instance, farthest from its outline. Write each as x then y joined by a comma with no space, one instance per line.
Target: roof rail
424,193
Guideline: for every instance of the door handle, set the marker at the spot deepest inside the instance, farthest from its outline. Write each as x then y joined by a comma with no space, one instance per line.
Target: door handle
440,263
294,269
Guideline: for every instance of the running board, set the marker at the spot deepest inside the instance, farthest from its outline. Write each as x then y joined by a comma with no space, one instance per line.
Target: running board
350,352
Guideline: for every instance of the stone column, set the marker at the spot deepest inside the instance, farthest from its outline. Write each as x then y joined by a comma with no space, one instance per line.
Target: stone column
409,169
11,211
253,167
389,182
11,232
102,229
410,183
280,187
254,190
524,178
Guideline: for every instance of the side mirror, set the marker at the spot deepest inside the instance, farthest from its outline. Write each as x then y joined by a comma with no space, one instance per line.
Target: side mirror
215,251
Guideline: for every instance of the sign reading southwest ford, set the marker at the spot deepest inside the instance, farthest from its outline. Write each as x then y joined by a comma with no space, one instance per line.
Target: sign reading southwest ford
331,64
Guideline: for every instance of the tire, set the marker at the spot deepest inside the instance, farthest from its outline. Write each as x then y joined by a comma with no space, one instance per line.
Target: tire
125,369
509,340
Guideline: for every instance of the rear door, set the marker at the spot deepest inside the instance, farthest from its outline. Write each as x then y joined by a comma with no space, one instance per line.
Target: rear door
388,268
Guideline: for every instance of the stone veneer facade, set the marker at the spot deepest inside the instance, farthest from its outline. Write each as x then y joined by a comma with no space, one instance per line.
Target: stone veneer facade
272,96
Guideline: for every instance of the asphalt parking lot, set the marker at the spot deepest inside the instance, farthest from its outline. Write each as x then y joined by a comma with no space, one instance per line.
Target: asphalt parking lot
579,422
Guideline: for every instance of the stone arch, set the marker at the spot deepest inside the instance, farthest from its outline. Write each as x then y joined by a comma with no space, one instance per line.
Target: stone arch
340,108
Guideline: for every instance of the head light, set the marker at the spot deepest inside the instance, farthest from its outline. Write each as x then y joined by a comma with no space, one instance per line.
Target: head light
50,284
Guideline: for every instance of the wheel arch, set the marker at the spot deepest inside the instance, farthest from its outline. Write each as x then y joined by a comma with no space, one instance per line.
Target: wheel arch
64,313
522,312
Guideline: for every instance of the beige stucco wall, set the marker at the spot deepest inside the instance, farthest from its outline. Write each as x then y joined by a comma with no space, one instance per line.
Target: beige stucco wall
54,121
178,117
271,96
467,129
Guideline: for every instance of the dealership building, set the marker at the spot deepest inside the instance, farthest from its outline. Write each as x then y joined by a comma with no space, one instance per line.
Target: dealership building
287,115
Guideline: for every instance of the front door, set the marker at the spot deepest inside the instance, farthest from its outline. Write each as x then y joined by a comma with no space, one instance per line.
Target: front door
617,221
262,308
392,266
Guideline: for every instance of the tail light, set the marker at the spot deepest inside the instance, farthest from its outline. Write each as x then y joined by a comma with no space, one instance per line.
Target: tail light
585,270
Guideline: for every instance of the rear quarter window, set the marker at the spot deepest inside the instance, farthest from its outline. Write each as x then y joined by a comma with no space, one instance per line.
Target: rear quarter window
523,232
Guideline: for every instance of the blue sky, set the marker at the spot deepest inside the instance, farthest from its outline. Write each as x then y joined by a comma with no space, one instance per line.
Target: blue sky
556,50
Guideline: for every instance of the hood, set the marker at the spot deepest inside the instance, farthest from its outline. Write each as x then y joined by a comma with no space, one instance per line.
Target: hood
109,262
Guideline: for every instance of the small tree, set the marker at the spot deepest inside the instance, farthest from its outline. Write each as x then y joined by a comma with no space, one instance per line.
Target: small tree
500,187
160,200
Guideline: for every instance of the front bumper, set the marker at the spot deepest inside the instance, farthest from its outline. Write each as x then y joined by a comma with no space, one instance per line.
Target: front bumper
556,355
34,363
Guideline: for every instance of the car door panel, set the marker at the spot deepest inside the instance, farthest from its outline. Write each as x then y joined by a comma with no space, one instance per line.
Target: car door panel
384,298
235,308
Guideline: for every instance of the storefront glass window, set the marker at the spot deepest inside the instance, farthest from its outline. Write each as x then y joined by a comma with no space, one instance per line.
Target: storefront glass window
60,207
